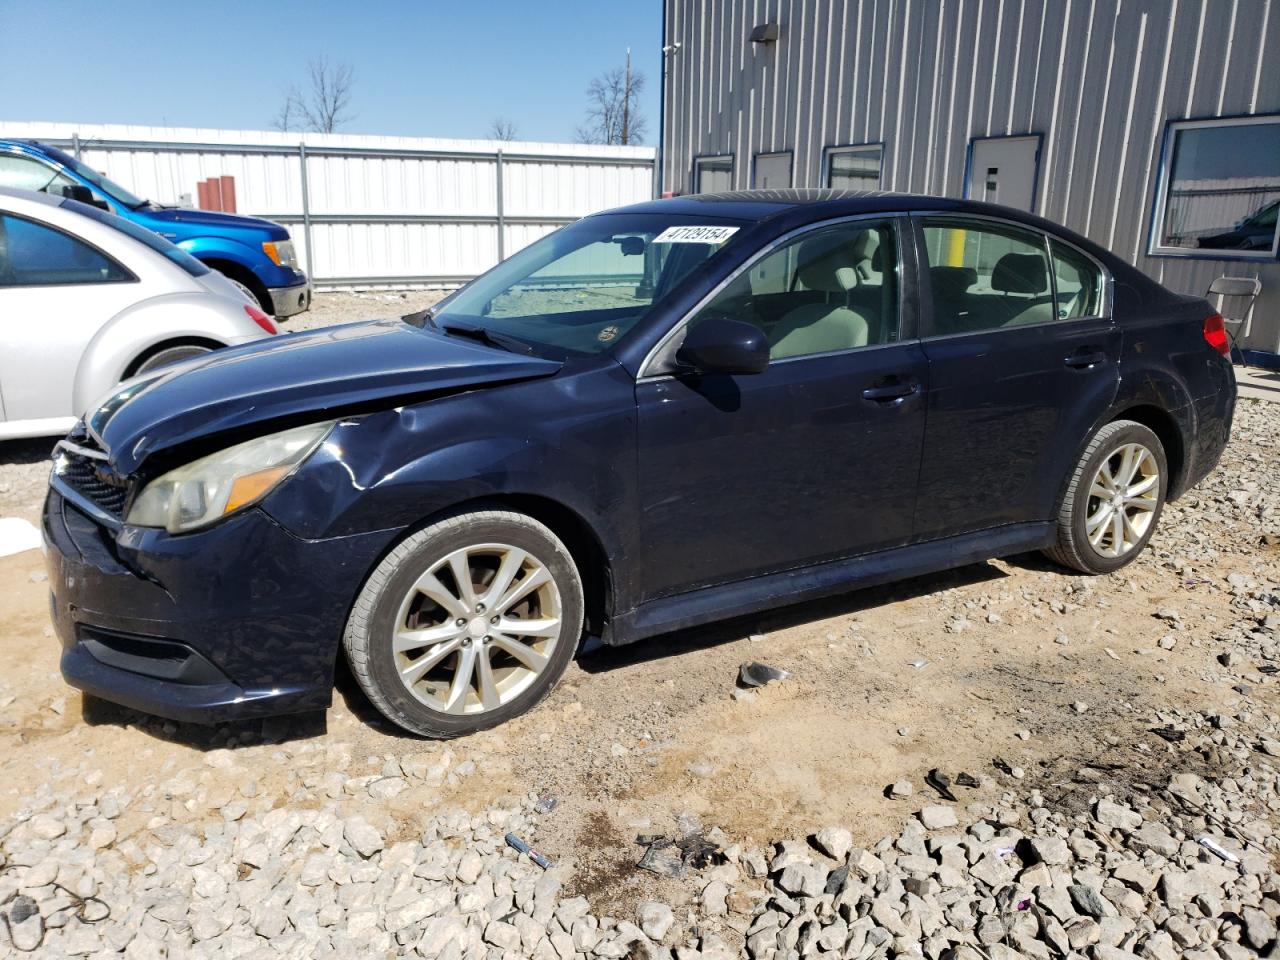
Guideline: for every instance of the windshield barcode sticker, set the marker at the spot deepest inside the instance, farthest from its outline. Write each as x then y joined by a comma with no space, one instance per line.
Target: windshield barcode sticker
695,235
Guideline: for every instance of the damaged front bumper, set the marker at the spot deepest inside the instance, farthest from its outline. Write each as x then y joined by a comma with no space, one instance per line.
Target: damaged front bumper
240,620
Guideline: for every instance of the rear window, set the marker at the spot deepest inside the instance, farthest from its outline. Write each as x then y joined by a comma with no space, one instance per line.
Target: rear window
151,239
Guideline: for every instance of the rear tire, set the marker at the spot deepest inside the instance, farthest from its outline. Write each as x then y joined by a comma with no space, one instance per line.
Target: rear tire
1113,501
435,638
170,355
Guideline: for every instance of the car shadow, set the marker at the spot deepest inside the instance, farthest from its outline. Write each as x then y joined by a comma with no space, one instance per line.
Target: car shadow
38,450
594,658
353,699
1037,562
242,733
599,658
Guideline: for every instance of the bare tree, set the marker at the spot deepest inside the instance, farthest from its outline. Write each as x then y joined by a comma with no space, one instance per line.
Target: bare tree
325,105
613,113
500,128
287,117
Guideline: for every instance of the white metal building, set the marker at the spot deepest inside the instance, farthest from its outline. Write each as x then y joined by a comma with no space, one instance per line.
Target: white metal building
372,211
1152,126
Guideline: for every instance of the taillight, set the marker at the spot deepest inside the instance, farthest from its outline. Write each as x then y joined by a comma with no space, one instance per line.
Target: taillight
264,321
1215,334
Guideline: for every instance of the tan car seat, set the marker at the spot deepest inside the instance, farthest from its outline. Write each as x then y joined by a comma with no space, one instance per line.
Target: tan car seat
828,264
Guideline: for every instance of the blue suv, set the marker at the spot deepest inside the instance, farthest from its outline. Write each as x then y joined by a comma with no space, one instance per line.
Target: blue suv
256,255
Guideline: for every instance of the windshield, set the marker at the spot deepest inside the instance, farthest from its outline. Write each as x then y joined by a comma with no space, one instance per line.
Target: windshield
153,240
109,187
581,289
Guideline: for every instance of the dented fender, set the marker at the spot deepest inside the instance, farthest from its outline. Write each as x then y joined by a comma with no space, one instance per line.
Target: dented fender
396,469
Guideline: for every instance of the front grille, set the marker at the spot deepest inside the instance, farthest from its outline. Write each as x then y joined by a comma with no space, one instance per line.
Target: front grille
92,477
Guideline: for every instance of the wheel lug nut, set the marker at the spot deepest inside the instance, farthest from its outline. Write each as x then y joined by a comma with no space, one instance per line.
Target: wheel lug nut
493,619
479,608
460,622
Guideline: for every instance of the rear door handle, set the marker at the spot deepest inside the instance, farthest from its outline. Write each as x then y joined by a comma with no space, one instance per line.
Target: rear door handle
1085,359
890,392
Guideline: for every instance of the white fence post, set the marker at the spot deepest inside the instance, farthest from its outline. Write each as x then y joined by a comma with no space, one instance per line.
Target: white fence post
502,220
306,207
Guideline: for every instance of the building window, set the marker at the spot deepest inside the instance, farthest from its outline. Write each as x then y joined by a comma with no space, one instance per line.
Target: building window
1219,189
712,174
854,168
772,171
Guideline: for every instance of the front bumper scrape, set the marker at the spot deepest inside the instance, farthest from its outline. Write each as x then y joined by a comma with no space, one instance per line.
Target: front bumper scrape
237,621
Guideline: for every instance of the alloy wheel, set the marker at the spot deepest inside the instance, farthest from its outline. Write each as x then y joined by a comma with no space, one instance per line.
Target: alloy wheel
1123,497
477,629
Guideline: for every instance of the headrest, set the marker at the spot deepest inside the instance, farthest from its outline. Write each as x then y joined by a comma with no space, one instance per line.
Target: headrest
826,264
951,282
866,253
1020,273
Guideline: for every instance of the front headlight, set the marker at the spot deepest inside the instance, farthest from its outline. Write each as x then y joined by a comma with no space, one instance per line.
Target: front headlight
204,490
281,253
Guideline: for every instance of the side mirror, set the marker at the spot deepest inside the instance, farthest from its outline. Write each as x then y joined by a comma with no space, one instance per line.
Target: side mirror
83,194
720,344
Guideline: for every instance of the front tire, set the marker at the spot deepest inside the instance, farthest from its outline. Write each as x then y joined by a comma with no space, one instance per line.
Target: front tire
1114,499
252,297
466,624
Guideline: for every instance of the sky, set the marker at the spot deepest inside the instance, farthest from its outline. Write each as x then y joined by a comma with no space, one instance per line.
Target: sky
425,68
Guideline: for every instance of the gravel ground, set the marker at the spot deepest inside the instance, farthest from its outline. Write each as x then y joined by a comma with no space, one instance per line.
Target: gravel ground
1110,744
330,308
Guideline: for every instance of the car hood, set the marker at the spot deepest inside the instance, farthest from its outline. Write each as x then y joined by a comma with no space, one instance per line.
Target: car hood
211,218
313,375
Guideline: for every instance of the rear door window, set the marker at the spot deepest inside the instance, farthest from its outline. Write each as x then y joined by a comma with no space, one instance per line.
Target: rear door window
36,255
986,276
1077,281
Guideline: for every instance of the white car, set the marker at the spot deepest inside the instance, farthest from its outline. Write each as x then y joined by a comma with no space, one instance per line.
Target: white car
88,300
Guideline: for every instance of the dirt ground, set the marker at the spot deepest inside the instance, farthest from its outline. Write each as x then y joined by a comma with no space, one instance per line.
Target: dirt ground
1007,665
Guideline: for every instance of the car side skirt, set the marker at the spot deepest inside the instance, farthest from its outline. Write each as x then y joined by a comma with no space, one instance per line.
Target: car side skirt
809,583
44,427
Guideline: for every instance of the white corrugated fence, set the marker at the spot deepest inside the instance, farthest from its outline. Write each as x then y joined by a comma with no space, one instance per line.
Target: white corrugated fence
372,211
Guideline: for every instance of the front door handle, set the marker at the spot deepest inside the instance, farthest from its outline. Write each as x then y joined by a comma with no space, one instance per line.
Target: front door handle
890,392
1085,359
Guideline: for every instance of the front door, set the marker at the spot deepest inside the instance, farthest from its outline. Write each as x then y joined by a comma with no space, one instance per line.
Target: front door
1003,170
815,458
1023,360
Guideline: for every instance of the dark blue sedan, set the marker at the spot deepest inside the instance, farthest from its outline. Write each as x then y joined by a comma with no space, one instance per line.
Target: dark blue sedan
656,417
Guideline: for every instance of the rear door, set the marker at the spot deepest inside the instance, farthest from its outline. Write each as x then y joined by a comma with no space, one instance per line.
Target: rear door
811,460
1023,359
56,291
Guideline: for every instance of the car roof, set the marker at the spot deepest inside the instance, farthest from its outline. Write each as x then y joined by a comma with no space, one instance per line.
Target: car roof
60,213
803,206
32,196
26,146
756,205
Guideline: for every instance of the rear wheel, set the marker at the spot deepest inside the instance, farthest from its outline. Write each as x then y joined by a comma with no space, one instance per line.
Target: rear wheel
170,355
466,624
1114,500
